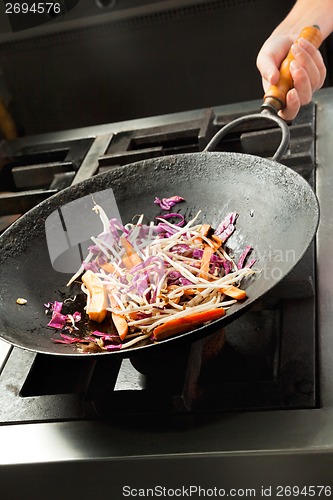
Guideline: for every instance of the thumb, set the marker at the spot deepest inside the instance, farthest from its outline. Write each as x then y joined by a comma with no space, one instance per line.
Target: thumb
271,56
267,66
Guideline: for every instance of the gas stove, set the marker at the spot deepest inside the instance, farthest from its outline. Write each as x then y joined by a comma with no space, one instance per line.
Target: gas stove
263,403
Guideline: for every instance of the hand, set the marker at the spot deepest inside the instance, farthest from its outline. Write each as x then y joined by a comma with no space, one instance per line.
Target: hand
308,70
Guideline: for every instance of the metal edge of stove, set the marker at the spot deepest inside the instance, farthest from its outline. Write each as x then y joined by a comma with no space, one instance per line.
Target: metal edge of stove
5,350
292,440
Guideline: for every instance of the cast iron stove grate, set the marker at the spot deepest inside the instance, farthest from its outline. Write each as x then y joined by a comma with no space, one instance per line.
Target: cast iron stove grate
30,174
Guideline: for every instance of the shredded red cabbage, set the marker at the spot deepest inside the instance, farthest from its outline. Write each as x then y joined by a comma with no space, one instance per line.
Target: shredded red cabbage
77,316
167,203
60,321
227,265
181,249
56,306
243,257
112,347
67,339
227,227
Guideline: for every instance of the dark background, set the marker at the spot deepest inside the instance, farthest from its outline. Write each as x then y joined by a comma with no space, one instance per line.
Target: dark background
183,58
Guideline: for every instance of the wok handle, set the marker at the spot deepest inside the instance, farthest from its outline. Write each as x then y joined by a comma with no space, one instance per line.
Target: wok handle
275,97
265,114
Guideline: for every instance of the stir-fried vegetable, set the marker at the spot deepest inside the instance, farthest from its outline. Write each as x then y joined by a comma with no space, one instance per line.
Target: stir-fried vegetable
185,323
97,304
167,203
158,279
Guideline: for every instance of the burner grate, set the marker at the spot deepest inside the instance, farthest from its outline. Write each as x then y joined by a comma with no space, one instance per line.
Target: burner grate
33,173
257,138
135,145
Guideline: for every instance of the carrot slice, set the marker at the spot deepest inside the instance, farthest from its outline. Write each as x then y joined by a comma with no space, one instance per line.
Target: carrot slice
205,261
234,292
121,325
205,228
98,299
217,242
108,267
132,258
127,262
186,323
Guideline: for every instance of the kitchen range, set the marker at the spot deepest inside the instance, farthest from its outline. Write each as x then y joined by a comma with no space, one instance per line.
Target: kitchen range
255,414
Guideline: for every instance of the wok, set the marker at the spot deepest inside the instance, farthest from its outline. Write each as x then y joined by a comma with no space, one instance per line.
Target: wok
278,217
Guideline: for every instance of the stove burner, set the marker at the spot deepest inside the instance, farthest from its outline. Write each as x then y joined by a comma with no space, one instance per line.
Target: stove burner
34,173
135,145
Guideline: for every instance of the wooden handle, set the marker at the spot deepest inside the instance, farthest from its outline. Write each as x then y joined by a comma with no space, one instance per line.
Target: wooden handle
275,97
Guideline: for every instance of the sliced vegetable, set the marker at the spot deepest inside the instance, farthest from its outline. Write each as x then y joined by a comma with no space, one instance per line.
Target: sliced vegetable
97,304
58,320
186,323
107,267
227,227
61,321
204,230
167,203
216,241
156,279
244,256
119,320
132,258
234,292
205,262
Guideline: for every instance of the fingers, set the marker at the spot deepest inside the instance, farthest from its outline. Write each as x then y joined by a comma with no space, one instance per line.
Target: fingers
302,82
267,67
270,57
293,105
308,72
311,60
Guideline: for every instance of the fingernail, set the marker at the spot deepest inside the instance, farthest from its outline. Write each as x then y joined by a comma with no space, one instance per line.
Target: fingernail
295,48
293,94
302,42
294,66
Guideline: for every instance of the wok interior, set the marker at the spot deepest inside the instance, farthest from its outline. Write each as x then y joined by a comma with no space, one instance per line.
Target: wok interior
278,216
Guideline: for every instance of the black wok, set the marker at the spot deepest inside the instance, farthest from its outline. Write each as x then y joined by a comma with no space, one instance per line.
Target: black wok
278,216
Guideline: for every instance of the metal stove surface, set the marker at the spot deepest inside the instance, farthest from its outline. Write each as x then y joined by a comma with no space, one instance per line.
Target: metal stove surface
230,449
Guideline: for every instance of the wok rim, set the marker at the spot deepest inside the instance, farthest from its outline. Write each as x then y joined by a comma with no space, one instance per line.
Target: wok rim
204,330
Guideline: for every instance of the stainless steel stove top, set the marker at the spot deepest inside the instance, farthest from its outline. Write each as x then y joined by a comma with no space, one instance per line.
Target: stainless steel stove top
246,449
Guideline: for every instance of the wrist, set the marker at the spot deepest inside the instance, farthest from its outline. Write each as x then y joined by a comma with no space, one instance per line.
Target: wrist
307,13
